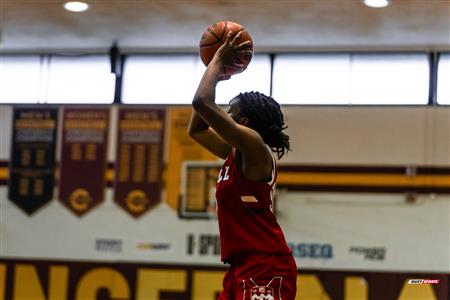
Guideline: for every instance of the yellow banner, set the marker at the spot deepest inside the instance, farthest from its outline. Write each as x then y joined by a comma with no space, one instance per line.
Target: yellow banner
181,148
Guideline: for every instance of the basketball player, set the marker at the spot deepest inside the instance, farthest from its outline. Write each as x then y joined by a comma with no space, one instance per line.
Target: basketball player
261,263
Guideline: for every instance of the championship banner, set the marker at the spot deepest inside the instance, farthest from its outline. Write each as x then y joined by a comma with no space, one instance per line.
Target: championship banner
139,159
32,163
83,158
181,148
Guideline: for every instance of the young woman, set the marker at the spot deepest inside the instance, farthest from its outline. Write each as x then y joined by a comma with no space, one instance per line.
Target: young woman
261,263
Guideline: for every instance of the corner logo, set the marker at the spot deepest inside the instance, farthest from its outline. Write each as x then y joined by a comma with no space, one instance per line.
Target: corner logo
423,281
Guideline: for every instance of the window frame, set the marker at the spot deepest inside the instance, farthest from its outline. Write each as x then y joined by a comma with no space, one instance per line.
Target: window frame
436,90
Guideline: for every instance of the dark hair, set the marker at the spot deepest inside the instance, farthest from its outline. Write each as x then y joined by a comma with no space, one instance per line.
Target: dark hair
265,116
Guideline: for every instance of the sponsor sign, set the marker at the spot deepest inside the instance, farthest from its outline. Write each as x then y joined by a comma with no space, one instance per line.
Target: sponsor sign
203,244
108,245
83,158
139,159
311,250
32,163
154,246
369,253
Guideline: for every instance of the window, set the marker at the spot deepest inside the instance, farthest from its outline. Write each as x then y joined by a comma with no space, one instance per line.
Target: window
80,79
173,79
311,78
389,79
255,78
20,79
443,82
351,79
319,78
161,78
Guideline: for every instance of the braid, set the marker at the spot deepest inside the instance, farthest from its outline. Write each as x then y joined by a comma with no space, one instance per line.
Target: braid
265,116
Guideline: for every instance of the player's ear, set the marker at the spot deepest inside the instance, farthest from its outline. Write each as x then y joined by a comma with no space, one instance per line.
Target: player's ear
244,121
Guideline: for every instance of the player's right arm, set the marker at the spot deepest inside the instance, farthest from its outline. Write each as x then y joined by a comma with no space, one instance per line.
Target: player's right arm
200,131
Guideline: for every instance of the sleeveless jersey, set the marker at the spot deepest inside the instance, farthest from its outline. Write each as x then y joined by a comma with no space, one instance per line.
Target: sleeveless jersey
244,210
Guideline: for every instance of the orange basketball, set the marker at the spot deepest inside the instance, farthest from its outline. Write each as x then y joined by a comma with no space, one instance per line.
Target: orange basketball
215,35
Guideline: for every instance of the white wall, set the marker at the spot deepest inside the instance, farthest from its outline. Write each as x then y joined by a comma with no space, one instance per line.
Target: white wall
415,236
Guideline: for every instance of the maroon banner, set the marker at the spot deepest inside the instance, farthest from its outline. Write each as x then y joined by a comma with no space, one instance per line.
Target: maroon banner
139,159
83,158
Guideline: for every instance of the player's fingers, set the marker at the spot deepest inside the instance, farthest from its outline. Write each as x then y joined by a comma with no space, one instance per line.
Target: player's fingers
245,52
224,77
236,37
228,39
235,66
245,44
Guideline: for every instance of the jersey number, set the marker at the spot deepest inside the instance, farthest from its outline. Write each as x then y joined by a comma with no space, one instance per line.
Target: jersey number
224,177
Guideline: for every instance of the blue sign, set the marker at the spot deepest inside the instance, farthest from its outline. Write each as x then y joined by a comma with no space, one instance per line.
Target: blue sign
311,250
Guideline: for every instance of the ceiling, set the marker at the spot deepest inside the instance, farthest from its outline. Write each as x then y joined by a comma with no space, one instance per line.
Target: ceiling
176,25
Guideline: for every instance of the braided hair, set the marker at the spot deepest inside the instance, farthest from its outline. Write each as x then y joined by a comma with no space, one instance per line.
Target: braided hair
265,116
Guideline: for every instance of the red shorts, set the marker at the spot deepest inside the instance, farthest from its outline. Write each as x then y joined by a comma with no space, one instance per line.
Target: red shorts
260,276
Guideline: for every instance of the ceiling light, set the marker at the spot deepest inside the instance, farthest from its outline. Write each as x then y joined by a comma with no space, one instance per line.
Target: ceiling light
76,6
377,3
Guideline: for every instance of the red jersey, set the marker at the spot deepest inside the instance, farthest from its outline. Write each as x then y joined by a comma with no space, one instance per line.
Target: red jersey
244,209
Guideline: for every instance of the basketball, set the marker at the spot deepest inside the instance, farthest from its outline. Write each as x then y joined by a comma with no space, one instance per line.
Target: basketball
215,35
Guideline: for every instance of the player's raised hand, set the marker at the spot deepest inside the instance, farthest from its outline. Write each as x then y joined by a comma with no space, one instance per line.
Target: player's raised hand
231,50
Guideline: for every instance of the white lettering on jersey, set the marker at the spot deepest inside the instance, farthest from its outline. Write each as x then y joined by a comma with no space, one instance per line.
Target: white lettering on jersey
271,200
225,176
